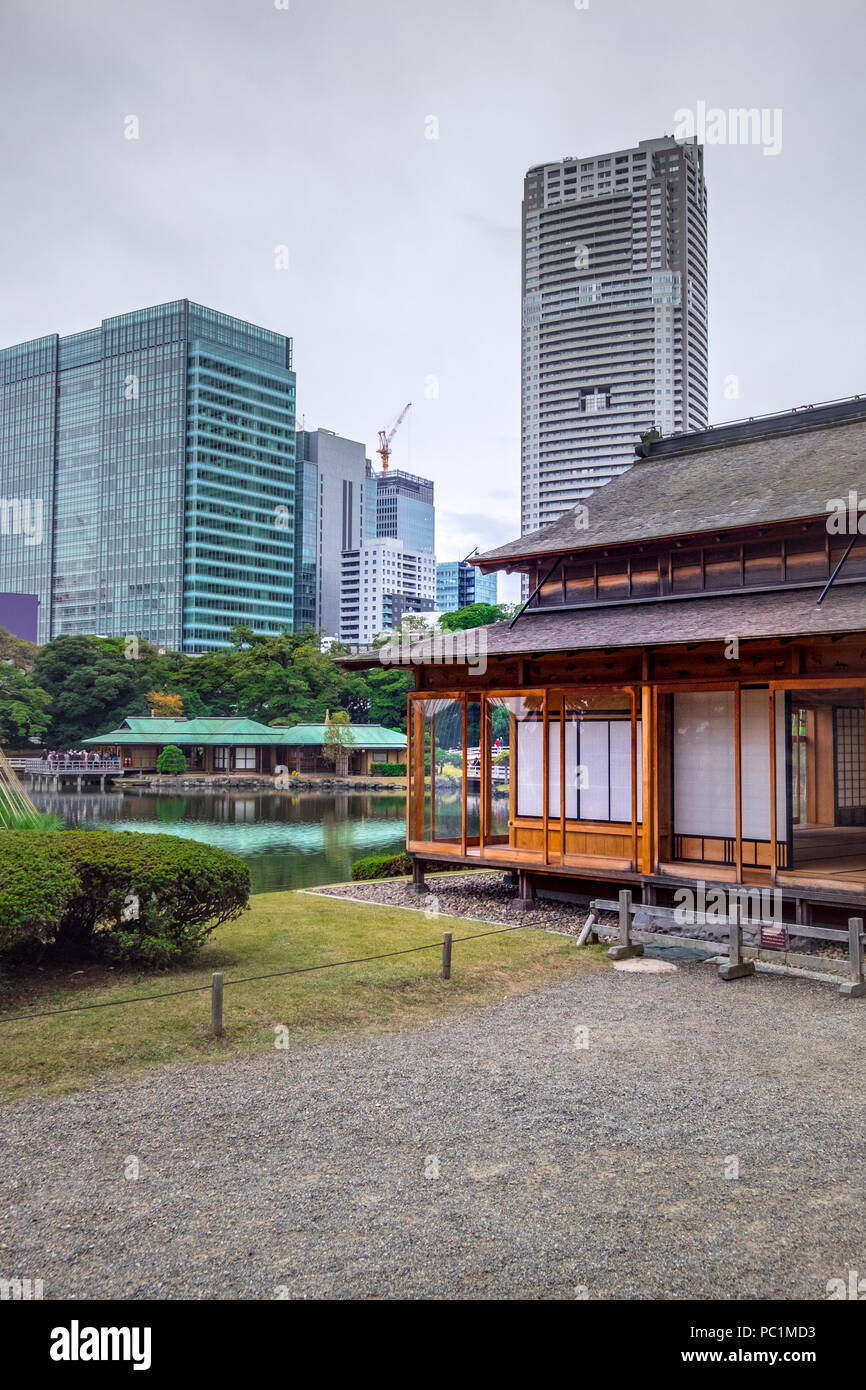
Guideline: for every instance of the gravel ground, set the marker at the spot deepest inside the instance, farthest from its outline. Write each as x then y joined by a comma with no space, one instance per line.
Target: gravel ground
490,897
561,1168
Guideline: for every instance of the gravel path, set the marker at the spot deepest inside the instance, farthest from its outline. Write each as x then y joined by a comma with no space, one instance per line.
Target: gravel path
560,1168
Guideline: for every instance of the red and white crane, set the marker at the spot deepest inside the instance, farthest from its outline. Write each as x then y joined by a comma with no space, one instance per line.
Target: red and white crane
385,437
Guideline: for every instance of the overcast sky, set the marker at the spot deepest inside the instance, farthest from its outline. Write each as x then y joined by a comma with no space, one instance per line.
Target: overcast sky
304,127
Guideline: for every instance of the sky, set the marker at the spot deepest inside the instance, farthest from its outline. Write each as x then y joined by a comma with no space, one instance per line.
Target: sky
306,124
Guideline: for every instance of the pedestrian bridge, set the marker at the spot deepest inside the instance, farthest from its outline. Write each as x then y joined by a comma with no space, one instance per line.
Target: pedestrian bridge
59,768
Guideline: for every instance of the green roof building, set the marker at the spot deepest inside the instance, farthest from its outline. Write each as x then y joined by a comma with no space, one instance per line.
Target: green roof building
246,746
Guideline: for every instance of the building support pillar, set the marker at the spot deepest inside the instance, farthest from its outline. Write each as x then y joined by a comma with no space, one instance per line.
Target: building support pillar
525,900
418,885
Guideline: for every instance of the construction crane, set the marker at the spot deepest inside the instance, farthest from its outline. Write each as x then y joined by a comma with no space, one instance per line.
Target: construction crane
385,437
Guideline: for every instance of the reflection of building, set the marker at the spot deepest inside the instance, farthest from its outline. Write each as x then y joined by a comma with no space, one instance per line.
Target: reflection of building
458,584
224,746
614,315
159,449
684,701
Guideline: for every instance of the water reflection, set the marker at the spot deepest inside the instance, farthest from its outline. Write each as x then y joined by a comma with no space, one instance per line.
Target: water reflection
289,841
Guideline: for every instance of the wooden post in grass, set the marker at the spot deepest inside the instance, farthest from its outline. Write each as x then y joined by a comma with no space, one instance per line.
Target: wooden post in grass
625,947
855,988
216,1004
736,968
446,955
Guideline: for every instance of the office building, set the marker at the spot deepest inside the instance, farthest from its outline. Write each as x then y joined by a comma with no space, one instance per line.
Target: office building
458,584
330,515
614,316
405,510
157,453
381,581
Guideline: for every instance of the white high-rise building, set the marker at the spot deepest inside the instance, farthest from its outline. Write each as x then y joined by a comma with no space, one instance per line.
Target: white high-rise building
380,581
614,315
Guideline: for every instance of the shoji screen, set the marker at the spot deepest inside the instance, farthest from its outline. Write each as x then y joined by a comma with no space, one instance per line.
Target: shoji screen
530,767
620,770
595,761
755,744
704,777
570,769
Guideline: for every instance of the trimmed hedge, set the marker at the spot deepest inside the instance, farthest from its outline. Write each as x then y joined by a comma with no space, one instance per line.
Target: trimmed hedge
37,881
388,769
382,866
125,897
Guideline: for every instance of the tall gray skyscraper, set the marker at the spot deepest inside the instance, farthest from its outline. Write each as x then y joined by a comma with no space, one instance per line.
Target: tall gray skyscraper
614,315
332,480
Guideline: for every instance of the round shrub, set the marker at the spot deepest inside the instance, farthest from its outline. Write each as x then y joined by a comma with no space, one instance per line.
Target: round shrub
148,899
143,899
38,880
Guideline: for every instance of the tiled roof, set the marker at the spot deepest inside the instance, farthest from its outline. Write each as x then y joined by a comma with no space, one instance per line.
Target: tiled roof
711,484
784,613
234,731
364,736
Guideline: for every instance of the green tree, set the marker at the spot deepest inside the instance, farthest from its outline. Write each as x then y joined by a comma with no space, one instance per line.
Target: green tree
387,688
22,654
171,759
475,615
23,706
92,687
339,740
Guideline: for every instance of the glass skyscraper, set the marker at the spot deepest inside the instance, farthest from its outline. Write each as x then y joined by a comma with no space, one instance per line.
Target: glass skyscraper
459,584
405,510
148,468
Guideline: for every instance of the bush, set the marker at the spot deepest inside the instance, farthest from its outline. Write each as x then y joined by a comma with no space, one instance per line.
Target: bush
388,769
136,899
171,759
382,866
148,899
37,882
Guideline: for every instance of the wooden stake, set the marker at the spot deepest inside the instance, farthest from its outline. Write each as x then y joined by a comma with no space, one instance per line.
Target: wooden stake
216,1004
446,955
855,988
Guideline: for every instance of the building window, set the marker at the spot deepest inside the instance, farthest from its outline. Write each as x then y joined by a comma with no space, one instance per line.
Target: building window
245,759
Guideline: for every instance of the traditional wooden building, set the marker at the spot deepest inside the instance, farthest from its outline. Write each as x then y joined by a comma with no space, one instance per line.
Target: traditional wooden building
681,700
236,745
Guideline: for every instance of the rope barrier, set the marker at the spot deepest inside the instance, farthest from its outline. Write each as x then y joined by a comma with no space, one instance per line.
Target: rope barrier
247,979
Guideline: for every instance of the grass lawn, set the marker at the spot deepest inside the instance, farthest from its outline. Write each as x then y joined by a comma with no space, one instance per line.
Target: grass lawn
280,932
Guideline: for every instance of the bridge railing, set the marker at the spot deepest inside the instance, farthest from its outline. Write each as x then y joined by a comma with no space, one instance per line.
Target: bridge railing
48,767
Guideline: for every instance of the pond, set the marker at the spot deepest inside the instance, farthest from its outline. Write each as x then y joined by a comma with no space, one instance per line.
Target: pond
290,840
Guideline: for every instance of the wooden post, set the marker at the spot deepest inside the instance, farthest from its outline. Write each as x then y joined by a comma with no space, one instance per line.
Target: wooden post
418,885
525,900
216,1004
446,955
736,967
625,947
855,988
